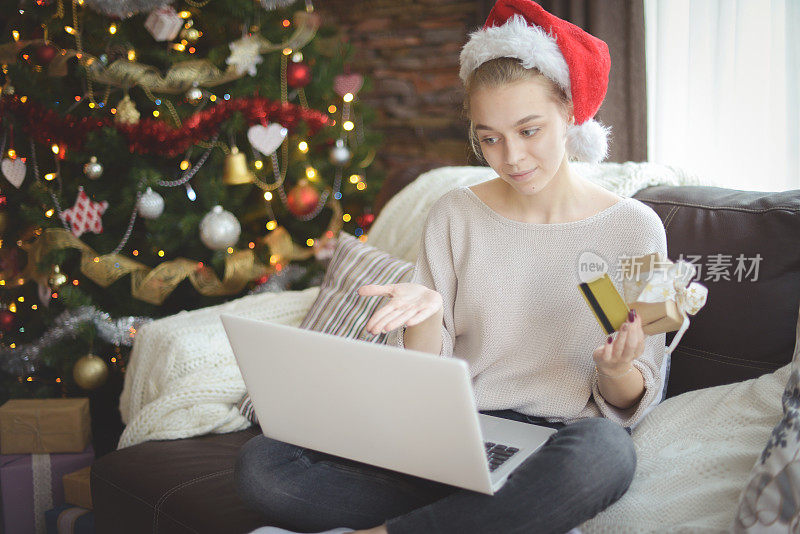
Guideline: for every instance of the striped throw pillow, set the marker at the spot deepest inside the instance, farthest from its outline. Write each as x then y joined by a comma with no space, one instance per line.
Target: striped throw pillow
339,309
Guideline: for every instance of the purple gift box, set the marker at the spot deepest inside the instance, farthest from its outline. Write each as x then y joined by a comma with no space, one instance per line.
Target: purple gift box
30,484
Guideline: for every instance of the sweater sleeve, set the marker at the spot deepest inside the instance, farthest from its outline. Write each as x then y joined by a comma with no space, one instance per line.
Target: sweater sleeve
652,361
435,270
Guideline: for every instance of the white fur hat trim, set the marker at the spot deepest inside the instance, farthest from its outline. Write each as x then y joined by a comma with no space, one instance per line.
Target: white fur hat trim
588,141
534,47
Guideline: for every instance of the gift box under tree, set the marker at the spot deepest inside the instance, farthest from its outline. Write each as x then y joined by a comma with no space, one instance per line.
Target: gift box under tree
78,488
31,484
40,426
68,519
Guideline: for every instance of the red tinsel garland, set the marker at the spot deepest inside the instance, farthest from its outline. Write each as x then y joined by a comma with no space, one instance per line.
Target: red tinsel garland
152,136
47,127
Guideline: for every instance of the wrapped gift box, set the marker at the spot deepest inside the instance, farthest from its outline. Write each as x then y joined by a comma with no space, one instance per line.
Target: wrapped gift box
662,293
649,291
77,488
163,23
67,519
31,484
658,317
43,426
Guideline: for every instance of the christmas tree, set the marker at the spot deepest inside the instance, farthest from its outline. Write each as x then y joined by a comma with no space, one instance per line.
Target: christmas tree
160,156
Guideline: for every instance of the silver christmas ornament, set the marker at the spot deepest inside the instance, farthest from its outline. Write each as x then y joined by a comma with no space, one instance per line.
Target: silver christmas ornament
194,95
93,170
219,229
340,154
151,204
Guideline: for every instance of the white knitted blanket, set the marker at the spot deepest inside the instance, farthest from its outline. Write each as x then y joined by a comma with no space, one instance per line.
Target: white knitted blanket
182,379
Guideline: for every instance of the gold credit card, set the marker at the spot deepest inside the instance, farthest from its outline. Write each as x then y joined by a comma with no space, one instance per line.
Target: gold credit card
606,303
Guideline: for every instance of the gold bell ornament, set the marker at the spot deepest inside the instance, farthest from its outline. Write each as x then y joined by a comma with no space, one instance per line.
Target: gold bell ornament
235,171
56,278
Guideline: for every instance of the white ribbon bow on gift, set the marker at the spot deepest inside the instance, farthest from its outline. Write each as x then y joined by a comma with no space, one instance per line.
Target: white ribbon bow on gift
675,283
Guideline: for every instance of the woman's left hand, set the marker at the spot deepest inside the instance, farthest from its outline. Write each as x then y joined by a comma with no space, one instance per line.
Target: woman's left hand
615,358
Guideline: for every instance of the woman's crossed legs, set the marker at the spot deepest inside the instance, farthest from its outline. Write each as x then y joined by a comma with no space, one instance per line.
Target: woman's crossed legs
581,470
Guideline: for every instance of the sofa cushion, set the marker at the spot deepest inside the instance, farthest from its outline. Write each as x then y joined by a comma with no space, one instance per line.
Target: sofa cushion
179,486
747,326
338,309
769,502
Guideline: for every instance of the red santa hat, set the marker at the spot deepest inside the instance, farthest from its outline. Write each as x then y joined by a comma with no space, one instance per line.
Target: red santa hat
578,62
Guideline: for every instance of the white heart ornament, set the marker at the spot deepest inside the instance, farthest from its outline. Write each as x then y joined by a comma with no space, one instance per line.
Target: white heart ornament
14,171
347,83
266,139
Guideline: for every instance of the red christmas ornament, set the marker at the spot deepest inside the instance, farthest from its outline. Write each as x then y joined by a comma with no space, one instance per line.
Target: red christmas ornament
7,320
302,199
43,55
366,220
298,75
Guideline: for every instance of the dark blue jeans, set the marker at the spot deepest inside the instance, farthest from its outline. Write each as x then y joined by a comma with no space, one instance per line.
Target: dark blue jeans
581,470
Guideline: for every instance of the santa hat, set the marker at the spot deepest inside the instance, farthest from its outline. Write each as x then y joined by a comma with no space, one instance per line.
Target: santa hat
578,62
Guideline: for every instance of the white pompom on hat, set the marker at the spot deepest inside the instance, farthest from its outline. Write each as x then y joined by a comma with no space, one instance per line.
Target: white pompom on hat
575,60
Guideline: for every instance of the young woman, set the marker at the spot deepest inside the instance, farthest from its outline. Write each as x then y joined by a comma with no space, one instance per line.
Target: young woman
495,284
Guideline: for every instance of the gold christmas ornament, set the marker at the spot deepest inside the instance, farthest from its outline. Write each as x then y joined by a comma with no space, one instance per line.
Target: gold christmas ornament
190,34
90,372
56,278
235,171
126,112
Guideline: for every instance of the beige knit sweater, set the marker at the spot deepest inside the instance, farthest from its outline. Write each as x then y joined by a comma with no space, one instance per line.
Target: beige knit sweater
513,310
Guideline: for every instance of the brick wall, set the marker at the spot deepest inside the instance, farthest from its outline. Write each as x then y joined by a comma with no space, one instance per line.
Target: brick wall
409,49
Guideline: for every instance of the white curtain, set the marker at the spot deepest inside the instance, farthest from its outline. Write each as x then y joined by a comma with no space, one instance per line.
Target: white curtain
723,89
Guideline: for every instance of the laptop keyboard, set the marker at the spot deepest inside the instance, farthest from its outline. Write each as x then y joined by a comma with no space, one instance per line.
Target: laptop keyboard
498,454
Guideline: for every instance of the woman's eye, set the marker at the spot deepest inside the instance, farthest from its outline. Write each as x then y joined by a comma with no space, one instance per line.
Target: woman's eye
489,140
529,132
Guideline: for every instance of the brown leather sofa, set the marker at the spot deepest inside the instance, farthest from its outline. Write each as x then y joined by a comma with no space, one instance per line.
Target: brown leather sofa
746,329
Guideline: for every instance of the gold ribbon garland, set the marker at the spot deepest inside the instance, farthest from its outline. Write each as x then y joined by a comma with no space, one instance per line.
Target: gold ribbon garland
155,284
151,285
179,78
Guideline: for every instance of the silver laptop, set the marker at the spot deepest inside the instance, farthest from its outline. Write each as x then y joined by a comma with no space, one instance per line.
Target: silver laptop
398,409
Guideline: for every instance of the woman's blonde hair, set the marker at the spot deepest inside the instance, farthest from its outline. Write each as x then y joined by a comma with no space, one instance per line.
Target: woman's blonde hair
502,71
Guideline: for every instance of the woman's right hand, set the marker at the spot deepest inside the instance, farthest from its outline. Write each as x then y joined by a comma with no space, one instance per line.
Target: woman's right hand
410,304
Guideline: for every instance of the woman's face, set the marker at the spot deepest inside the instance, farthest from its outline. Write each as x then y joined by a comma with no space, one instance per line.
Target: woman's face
522,133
